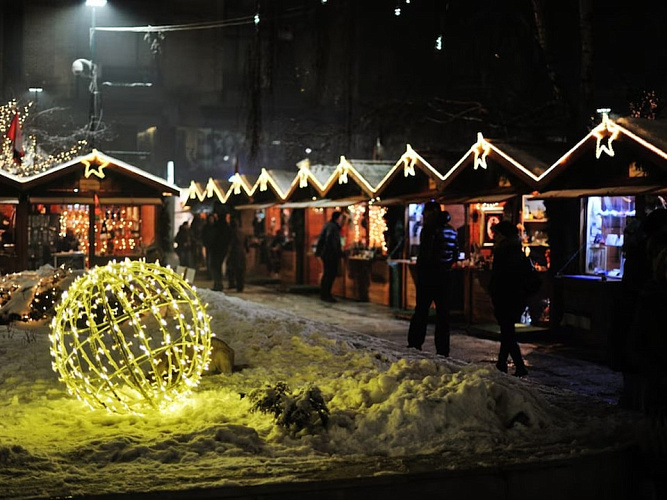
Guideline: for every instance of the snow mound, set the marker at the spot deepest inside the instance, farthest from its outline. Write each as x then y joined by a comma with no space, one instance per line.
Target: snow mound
383,405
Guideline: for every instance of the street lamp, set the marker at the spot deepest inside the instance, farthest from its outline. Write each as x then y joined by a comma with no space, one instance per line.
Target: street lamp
94,91
35,91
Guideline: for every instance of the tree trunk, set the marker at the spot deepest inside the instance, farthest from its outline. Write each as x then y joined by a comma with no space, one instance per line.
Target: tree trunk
587,83
543,41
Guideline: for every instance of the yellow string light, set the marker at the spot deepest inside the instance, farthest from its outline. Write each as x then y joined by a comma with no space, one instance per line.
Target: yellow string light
377,227
130,336
35,160
357,214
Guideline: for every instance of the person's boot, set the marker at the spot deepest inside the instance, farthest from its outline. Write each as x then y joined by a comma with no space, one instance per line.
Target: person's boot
501,366
520,371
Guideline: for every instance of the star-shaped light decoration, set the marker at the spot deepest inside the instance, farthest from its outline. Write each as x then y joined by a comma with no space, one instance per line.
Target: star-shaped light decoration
236,183
95,165
409,165
343,169
304,172
606,130
481,149
263,180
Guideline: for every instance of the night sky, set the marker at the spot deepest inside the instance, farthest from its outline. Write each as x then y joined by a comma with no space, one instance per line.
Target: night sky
336,76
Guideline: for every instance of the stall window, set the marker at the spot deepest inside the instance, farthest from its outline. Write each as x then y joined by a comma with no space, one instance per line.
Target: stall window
123,230
606,219
415,221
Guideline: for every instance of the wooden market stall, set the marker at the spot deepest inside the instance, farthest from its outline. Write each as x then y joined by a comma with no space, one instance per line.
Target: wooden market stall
270,232
608,181
493,181
351,188
304,219
10,248
111,208
414,179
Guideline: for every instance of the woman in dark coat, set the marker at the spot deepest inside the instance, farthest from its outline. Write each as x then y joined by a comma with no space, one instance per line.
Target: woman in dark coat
236,258
508,275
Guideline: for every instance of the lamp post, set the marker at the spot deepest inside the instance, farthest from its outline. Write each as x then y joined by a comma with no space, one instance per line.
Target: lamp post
94,114
94,90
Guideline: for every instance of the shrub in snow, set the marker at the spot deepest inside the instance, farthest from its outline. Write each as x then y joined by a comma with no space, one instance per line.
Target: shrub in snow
293,411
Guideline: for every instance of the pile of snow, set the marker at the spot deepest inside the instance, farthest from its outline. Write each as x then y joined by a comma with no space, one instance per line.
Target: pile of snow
384,405
31,294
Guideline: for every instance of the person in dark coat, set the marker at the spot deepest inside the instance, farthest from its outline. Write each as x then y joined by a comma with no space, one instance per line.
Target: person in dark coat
184,244
236,258
647,359
508,274
641,239
196,243
69,243
438,251
330,250
215,237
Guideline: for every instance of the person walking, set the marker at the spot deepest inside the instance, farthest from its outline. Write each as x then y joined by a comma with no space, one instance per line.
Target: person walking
438,251
196,244
509,273
215,236
184,244
330,250
643,291
236,258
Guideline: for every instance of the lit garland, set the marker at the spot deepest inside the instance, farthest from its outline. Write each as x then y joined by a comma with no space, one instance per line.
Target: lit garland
647,105
35,159
47,294
357,213
119,231
377,227
105,352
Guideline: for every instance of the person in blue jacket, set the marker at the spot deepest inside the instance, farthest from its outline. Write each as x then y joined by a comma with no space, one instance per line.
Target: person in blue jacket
438,251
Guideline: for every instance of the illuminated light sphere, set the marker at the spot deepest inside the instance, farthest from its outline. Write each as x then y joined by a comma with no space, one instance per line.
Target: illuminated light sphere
130,336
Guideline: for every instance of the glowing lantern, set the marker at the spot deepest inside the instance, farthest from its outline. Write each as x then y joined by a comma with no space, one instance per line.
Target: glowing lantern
130,335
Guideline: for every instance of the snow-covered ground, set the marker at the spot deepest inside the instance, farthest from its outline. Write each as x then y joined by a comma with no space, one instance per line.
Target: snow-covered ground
384,405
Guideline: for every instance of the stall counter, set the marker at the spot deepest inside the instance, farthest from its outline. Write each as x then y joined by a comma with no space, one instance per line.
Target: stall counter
588,306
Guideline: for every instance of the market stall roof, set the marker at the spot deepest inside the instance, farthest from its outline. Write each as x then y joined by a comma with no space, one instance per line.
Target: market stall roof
97,172
356,177
213,190
310,181
628,155
325,203
272,186
416,174
604,191
373,171
10,185
486,172
240,189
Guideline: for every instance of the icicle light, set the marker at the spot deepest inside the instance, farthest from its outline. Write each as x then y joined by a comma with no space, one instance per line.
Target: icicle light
130,336
377,227
357,214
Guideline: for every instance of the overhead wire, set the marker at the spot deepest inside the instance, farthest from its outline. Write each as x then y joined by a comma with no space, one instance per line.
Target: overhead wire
240,21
